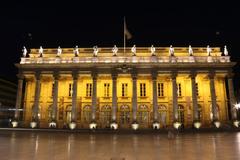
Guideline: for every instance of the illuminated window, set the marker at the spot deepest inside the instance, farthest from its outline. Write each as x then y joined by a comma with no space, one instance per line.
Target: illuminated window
124,89
88,89
179,89
106,89
142,89
70,88
160,89
197,90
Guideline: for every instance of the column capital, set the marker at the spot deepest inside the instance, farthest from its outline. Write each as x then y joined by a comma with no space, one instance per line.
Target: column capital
173,75
56,75
94,75
211,75
20,76
134,75
114,75
230,75
193,74
154,75
74,75
38,75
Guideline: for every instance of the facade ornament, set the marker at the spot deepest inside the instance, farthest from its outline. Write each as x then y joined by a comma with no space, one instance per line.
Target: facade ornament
115,50
95,51
134,50
209,50
59,51
153,49
24,50
40,51
225,51
171,51
190,50
76,51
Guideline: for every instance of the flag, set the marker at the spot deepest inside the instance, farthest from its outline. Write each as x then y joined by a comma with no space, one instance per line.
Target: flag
126,32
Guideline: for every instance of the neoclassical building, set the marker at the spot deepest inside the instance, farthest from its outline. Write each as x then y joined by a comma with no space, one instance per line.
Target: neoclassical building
116,87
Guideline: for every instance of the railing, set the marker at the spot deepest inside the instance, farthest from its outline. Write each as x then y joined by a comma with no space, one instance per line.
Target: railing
133,59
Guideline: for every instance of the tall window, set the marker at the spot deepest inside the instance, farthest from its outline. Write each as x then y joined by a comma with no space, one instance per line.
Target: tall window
88,89
197,90
160,89
124,89
142,89
179,89
106,89
70,89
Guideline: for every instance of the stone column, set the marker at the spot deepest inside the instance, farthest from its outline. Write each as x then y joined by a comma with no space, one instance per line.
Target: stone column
19,96
232,98
174,97
114,97
55,96
37,96
134,97
74,96
94,96
194,97
213,95
155,97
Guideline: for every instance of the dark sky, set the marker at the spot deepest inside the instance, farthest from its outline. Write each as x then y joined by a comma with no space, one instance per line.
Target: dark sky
98,23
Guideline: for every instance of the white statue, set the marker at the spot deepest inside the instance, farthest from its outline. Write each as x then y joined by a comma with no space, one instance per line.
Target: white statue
171,51
225,51
76,51
153,49
115,50
133,50
209,50
190,50
24,50
59,51
95,51
40,51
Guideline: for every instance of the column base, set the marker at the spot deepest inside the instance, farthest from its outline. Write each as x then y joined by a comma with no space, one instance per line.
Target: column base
216,123
177,125
33,124
72,125
93,125
114,126
236,123
156,125
14,123
197,124
52,124
135,125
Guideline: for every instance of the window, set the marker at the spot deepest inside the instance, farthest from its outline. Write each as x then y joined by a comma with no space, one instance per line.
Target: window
70,89
160,89
124,89
142,89
179,89
197,91
88,89
106,89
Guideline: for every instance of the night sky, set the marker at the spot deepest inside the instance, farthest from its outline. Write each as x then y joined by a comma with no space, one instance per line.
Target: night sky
92,23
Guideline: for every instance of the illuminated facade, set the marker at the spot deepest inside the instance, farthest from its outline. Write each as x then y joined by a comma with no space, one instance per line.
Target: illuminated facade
142,86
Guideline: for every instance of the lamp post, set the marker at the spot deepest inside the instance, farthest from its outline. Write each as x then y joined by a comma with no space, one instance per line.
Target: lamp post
236,121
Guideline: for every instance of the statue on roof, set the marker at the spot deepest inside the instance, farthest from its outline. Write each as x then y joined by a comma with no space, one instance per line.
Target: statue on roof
115,50
95,51
59,51
153,49
225,51
209,50
134,50
24,50
76,51
190,50
171,51
40,51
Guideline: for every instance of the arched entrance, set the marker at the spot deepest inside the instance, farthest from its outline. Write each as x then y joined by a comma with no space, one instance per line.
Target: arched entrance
86,114
181,113
105,116
143,115
68,115
124,116
162,110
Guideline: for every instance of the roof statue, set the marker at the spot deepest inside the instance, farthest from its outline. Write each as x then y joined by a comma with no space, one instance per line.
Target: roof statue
95,51
133,50
209,50
171,51
59,51
40,51
190,50
115,50
76,51
24,50
225,52
153,49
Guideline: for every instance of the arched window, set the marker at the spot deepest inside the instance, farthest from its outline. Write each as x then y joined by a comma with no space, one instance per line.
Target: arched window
162,110
87,113
105,115
68,113
143,114
124,117
181,113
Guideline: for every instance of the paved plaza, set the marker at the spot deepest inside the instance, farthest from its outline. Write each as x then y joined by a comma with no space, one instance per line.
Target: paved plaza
31,145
